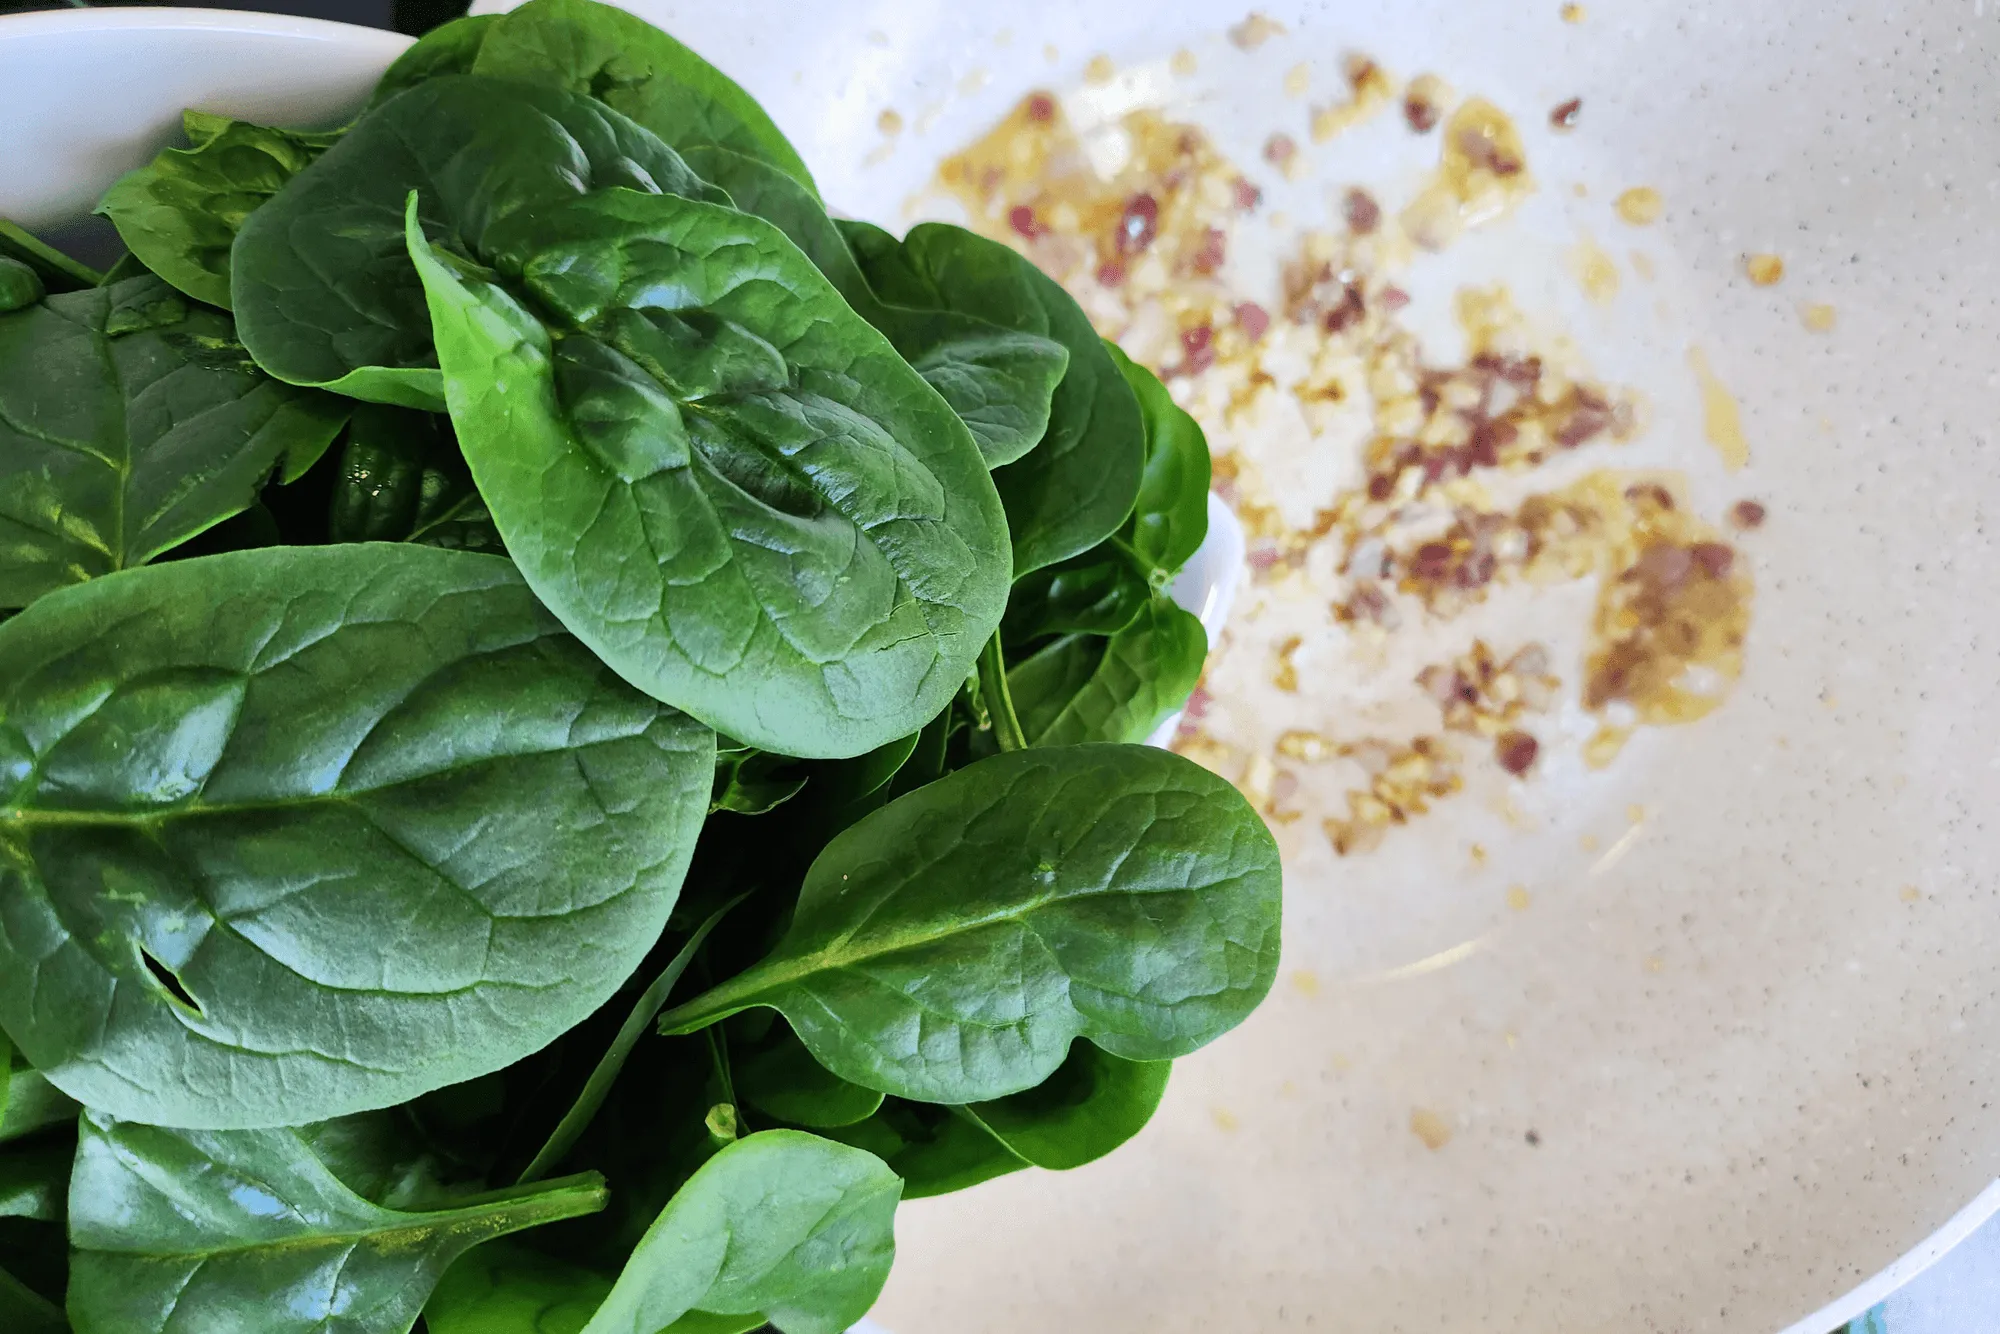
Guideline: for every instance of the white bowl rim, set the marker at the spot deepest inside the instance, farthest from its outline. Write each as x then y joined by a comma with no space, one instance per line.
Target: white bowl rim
176,19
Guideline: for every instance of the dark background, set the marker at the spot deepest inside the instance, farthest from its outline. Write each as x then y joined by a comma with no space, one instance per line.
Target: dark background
411,16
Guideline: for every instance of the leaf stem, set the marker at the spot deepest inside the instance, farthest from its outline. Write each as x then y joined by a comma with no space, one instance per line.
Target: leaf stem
598,1086
999,703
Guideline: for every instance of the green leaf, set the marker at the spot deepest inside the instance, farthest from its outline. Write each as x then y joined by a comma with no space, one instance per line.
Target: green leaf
1098,593
325,292
1085,688
19,285
598,1086
218,775
782,1225
1170,518
22,1312
34,1179
733,490
58,272
449,48
179,214
936,1150
1077,487
634,68
402,479
1092,1104
505,1288
248,1230
951,946
779,1077
33,1105
749,781
118,446
999,381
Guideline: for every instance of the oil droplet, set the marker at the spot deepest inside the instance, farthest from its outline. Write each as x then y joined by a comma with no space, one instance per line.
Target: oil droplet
1574,13
1636,813
1288,1089
1641,206
1587,843
1182,63
1603,748
1297,79
1225,1120
1818,317
1100,70
1642,264
1655,964
1910,894
1764,270
1482,173
1431,1128
1595,271
1478,854
890,121
1721,421
1518,898
1305,981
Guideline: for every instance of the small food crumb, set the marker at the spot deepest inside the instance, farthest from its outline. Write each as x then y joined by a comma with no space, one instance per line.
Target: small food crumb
1602,749
1183,62
1431,1128
1225,1120
1764,270
1282,152
1635,813
1516,752
1534,1139
1655,964
973,82
1641,206
1297,79
1254,31
1721,420
1910,894
890,121
1477,854
1596,271
1370,89
1746,515
1518,898
1100,70
1424,102
1574,13
1565,114
1587,843
1818,317
1363,214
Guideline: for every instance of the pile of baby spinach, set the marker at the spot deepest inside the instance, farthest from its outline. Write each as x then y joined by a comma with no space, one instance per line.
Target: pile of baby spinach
567,723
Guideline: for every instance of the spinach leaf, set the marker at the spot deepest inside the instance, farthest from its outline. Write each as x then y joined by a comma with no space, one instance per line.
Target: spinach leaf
19,285
34,1179
58,272
505,1288
1170,518
1078,486
1093,1103
749,781
936,1150
23,1312
402,479
325,292
1098,593
598,1087
179,214
248,1230
778,1077
217,776
1086,688
128,424
636,69
999,381
780,1226
33,1105
951,946
449,48
725,483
